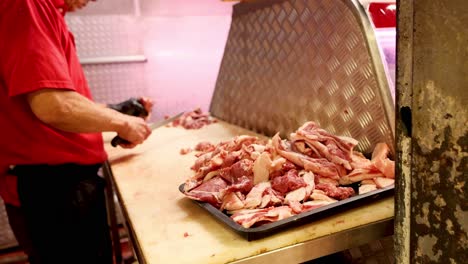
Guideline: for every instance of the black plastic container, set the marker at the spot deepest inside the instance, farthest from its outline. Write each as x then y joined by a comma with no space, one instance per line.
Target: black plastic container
265,230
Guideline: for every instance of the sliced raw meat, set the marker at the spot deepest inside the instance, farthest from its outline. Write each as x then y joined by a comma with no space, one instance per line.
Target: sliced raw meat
319,195
233,201
319,166
261,168
237,170
288,182
248,218
358,175
336,149
382,182
382,162
339,193
367,188
303,193
254,197
209,191
271,198
310,205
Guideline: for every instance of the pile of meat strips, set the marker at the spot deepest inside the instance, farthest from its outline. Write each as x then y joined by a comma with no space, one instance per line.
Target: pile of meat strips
195,119
258,181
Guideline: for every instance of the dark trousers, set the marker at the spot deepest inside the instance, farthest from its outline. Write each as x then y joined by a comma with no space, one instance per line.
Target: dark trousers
62,218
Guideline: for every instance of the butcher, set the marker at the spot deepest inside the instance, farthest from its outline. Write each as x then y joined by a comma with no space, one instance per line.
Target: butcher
50,137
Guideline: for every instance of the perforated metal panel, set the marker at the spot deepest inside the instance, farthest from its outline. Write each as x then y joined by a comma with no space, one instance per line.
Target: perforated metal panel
110,36
105,35
287,62
112,83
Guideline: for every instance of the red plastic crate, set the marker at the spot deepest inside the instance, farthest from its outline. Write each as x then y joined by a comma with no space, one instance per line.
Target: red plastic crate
383,15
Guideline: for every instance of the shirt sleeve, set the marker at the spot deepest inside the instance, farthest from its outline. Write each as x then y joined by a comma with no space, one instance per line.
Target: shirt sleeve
33,55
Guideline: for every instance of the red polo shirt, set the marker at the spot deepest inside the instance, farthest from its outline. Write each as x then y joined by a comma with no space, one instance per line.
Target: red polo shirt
37,51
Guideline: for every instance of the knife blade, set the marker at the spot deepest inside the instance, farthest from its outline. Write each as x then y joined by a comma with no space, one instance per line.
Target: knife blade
118,140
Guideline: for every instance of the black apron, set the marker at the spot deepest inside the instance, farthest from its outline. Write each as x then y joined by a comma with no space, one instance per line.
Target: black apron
65,213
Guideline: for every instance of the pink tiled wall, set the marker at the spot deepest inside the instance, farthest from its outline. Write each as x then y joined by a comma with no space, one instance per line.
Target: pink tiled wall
183,42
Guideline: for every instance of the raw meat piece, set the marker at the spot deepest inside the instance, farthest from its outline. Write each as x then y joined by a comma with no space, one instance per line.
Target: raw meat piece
233,201
288,182
367,182
360,162
381,151
319,195
185,151
382,182
358,175
297,195
237,170
271,198
386,166
243,184
382,162
303,193
339,193
204,146
326,180
248,218
319,166
195,119
254,197
310,205
336,149
261,168
209,191
367,188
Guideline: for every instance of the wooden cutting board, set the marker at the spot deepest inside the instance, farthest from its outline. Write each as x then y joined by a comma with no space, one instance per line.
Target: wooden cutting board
173,229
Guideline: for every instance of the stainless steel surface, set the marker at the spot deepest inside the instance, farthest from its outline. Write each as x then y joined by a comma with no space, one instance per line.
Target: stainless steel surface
113,60
375,55
324,246
287,62
165,121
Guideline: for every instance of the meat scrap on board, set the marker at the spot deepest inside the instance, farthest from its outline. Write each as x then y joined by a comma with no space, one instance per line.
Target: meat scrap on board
195,119
258,181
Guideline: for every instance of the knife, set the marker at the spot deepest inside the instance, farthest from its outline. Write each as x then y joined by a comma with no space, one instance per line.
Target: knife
118,140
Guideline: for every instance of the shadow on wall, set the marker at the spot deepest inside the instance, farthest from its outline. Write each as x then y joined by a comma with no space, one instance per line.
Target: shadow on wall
183,42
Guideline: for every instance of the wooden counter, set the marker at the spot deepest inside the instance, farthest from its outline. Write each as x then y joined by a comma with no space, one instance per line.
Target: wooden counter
170,228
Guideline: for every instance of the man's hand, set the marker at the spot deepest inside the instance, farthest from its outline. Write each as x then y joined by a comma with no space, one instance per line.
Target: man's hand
147,104
72,112
140,107
135,130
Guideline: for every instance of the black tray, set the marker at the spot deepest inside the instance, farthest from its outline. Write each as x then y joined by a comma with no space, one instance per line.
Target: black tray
265,230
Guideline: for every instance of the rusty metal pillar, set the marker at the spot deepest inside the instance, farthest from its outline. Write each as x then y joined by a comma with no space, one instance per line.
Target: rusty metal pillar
431,218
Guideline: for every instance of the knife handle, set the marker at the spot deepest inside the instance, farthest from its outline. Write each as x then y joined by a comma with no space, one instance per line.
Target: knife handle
118,140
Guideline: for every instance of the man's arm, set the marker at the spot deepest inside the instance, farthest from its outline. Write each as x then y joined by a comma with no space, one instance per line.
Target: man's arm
69,111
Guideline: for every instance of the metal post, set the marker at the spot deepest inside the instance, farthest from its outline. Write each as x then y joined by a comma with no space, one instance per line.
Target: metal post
432,138
107,173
